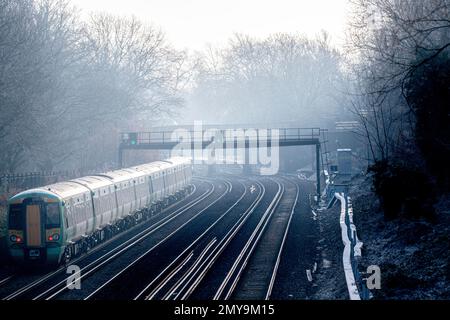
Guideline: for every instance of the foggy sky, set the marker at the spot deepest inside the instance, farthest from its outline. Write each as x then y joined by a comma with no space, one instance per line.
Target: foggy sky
192,24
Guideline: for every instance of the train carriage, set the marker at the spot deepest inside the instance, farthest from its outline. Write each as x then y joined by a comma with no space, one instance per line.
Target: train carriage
123,182
52,223
161,179
154,192
103,200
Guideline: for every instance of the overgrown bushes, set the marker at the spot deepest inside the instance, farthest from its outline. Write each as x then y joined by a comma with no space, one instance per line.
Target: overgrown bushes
404,191
428,93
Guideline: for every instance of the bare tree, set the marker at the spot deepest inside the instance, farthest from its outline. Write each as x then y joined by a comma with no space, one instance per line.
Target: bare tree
136,57
281,78
37,38
67,87
389,41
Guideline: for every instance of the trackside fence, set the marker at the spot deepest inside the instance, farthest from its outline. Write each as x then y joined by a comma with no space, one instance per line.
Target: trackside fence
12,183
23,181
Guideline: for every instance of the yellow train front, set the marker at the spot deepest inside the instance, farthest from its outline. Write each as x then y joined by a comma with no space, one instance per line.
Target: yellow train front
35,228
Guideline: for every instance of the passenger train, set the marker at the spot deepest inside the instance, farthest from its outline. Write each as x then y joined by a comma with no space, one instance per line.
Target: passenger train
52,224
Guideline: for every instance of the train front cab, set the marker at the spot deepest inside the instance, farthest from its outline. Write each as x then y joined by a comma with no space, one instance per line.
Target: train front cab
35,229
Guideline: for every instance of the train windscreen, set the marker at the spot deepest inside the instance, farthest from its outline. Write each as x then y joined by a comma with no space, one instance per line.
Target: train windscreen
16,217
53,219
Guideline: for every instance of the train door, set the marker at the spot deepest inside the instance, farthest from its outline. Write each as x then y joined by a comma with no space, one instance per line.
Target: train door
33,225
164,188
113,199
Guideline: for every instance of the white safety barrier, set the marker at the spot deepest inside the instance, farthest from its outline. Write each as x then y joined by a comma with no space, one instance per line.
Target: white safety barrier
347,257
359,243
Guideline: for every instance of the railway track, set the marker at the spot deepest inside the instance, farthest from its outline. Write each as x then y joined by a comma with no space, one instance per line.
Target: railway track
110,248
230,282
179,279
223,242
148,264
258,277
300,255
211,282
6,279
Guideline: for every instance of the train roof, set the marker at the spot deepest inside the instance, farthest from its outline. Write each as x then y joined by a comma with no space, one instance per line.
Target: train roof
179,160
122,174
81,185
161,164
156,166
94,181
63,189
66,188
147,168
27,193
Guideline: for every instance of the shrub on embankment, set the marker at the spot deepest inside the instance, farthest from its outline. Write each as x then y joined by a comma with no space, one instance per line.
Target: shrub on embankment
404,191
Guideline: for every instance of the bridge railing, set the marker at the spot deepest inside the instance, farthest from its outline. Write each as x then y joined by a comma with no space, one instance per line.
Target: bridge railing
165,136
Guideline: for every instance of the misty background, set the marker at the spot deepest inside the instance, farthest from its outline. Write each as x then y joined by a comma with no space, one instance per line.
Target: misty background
71,79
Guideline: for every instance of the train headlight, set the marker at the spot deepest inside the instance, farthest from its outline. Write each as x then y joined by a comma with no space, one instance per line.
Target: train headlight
54,237
15,238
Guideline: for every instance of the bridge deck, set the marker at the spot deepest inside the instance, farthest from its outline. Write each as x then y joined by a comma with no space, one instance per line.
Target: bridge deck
168,139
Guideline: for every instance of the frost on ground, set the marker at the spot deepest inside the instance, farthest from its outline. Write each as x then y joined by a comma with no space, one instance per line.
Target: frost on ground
413,254
330,279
